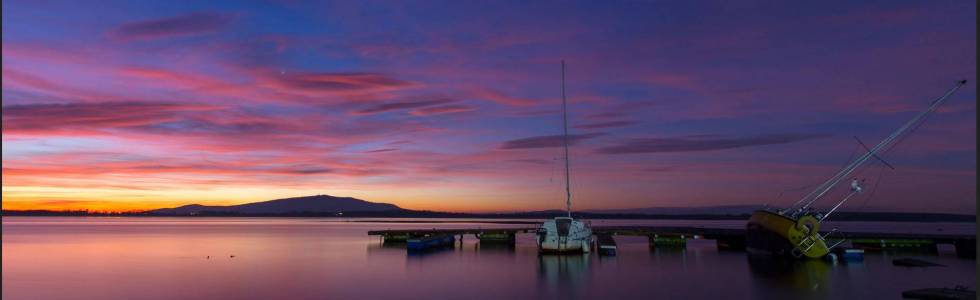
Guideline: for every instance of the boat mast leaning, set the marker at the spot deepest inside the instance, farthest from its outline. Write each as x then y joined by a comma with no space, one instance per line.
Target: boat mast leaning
816,194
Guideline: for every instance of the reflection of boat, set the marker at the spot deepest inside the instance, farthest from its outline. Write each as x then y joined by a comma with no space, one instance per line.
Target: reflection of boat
795,230
790,279
558,269
564,234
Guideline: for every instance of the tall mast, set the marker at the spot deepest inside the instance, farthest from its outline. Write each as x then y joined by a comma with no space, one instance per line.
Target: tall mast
837,178
564,120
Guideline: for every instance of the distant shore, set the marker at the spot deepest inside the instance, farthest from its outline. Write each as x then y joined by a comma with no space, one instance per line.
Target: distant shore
407,214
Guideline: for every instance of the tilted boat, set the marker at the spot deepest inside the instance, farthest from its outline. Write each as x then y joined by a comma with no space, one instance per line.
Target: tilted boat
795,231
564,234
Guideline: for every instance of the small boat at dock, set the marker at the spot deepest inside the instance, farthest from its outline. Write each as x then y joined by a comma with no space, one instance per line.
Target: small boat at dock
427,242
605,245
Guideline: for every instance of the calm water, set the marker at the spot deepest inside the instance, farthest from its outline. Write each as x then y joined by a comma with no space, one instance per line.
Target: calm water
167,258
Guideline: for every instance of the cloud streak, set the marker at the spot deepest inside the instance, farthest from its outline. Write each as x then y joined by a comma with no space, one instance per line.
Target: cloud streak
393,106
610,124
703,143
443,109
86,117
547,141
183,25
334,82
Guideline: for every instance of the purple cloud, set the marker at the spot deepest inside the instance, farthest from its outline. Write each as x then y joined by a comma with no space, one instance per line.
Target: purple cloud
609,124
547,141
703,143
532,161
333,82
39,118
444,109
192,24
382,150
391,106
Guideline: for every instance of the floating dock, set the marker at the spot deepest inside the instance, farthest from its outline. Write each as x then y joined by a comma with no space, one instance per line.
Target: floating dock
727,239
485,235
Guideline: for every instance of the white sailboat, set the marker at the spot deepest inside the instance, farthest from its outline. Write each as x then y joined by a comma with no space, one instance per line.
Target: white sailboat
564,234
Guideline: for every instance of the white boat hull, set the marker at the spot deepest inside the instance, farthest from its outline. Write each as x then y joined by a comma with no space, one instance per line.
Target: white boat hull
564,235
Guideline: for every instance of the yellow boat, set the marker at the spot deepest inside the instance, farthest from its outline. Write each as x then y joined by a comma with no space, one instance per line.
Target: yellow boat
773,233
795,231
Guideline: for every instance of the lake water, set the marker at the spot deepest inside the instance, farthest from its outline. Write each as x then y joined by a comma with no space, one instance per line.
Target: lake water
295,258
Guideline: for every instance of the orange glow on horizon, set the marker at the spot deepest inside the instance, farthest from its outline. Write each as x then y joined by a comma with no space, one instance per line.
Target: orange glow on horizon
115,201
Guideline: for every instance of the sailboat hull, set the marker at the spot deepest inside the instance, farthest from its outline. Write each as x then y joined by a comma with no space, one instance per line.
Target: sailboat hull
555,246
772,233
564,235
765,233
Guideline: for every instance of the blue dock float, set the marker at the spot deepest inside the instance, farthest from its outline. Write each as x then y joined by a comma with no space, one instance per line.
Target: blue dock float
606,245
423,243
852,254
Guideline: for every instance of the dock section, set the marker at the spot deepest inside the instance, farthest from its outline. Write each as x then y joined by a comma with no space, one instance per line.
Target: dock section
485,235
665,236
727,238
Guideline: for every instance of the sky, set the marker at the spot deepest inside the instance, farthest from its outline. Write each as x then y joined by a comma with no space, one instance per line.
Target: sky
456,105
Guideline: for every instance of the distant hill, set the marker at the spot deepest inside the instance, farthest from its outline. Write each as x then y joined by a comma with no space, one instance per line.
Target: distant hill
319,204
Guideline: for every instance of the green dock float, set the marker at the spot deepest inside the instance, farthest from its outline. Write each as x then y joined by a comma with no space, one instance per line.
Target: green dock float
895,244
502,237
668,240
395,237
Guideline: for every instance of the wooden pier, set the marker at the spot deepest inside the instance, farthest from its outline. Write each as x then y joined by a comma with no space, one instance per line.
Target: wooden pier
727,239
485,235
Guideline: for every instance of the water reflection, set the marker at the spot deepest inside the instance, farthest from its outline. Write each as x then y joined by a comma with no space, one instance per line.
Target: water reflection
495,248
563,270
791,277
385,248
311,259
669,255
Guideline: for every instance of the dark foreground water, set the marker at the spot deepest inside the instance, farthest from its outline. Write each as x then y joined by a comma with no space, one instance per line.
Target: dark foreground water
191,258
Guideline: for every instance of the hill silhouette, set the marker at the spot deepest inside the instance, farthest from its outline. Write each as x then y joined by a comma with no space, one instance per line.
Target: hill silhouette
319,204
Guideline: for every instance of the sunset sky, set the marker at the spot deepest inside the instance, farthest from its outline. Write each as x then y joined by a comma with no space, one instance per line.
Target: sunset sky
456,105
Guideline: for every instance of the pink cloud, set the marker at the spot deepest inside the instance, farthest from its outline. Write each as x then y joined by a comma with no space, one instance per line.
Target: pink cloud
317,83
78,118
444,109
393,106
18,79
